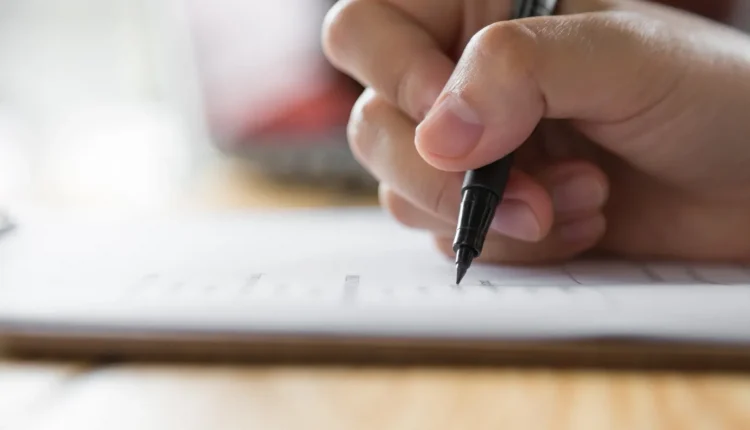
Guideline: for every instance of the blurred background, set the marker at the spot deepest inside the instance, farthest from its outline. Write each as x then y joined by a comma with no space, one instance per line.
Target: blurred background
140,103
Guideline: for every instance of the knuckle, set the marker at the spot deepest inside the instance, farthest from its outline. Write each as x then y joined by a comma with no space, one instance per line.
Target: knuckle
442,199
362,129
510,42
501,36
438,200
415,81
338,25
400,91
405,90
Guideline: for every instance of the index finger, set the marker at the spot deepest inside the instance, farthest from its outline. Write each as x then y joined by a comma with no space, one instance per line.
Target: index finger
387,48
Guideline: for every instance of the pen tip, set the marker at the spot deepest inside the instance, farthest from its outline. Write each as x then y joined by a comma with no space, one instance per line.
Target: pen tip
464,257
460,273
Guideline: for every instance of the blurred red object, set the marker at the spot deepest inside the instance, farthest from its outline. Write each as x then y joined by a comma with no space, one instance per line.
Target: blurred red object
270,94
316,114
263,70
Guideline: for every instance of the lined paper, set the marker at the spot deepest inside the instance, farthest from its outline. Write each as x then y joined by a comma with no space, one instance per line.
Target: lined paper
352,272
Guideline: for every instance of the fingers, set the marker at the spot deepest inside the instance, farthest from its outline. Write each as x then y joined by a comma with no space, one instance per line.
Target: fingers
600,68
386,49
411,215
578,188
514,218
582,191
382,140
565,241
403,48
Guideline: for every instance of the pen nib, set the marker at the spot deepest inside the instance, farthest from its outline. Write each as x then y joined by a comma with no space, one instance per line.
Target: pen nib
464,257
460,272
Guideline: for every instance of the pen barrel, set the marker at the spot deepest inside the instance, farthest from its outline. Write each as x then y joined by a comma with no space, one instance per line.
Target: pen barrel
529,8
493,177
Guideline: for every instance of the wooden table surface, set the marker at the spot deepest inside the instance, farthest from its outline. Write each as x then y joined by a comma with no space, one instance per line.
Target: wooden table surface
182,396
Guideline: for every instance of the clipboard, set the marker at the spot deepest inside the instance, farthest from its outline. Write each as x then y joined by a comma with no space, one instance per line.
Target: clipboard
275,286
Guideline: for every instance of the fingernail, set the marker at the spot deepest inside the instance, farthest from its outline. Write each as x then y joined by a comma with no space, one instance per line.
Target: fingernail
516,220
452,129
582,230
578,194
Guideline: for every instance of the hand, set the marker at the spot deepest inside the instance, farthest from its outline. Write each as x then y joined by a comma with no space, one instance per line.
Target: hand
643,143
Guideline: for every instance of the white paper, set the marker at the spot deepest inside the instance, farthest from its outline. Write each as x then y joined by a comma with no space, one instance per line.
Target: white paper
341,272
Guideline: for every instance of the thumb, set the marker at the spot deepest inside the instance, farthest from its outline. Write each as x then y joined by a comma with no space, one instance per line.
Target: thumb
603,67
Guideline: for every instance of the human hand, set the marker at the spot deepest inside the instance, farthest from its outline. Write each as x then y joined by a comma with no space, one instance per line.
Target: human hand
642,149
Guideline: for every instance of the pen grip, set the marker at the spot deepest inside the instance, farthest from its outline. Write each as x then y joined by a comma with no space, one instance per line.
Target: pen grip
481,194
494,177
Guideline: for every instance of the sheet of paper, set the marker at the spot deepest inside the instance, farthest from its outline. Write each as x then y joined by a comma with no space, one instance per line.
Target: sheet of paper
350,272
5,223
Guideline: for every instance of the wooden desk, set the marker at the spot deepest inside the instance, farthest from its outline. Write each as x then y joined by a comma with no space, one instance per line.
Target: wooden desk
137,396
83,396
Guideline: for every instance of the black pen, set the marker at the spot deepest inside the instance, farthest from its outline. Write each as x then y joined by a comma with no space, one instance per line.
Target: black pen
483,188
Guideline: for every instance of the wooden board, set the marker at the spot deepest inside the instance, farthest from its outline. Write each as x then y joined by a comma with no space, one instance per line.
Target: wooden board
275,349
